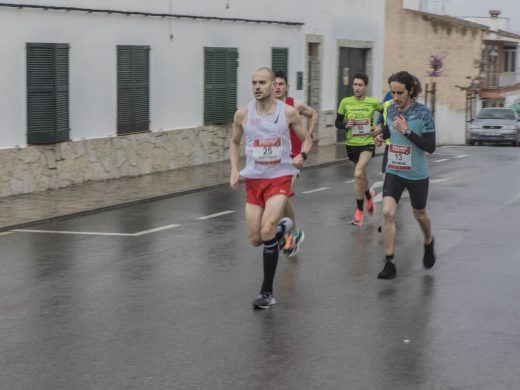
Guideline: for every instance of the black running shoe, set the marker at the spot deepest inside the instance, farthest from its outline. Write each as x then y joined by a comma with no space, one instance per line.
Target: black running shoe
429,256
379,228
389,271
264,300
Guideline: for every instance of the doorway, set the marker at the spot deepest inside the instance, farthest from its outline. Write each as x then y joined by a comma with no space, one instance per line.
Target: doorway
351,61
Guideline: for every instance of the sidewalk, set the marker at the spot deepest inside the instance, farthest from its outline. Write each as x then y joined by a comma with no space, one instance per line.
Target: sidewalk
22,210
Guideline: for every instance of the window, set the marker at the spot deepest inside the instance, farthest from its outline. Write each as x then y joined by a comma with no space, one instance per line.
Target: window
509,59
220,85
299,81
133,89
280,60
47,93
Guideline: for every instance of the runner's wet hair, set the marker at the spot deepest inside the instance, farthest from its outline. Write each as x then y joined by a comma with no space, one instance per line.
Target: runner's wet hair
411,83
361,76
280,74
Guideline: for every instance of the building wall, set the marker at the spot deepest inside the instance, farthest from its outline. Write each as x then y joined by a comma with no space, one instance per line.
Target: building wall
410,39
178,137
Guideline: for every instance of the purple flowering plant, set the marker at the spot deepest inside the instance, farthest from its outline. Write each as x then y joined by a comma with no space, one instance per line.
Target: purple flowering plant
435,65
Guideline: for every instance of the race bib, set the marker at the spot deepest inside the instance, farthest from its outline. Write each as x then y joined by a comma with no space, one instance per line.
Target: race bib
361,128
400,157
267,150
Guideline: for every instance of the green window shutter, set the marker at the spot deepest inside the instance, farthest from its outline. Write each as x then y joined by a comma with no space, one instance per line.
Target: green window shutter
299,81
133,89
280,60
220,85
47,93
62,93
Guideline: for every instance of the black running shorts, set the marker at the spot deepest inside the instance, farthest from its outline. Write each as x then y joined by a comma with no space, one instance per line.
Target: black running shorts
418,189
353,152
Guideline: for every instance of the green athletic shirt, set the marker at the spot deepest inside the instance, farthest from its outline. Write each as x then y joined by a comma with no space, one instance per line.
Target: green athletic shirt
362,112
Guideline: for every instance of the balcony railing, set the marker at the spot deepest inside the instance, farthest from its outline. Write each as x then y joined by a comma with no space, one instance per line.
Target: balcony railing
500,79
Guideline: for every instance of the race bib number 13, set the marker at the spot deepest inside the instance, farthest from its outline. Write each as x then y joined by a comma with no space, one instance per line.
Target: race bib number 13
400,157
267,150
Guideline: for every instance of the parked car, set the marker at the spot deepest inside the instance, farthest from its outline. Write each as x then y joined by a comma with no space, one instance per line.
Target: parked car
497,125
516,107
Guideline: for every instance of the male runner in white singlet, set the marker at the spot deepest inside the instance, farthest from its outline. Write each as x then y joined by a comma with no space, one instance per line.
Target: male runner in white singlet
269,170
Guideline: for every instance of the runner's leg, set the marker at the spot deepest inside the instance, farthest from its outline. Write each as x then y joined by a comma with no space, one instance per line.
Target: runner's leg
425,223
274,209
388,224
360,176
253,219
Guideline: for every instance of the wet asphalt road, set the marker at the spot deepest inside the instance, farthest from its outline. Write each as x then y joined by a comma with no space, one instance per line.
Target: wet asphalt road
151,297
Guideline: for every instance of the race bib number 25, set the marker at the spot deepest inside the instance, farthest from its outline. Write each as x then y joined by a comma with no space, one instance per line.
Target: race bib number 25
267,150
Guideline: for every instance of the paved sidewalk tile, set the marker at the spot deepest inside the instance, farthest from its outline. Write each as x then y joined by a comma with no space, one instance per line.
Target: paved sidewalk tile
22,210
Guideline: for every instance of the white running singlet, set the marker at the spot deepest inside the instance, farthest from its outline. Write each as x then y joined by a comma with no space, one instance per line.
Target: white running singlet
268,144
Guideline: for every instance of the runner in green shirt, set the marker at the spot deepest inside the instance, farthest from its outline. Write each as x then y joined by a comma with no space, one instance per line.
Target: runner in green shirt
356,114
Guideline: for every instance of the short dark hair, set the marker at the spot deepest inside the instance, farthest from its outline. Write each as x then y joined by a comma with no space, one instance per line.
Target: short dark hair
361,76
411,83
280,74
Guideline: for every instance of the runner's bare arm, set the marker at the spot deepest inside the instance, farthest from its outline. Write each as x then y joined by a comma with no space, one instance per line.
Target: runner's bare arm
234,146
294,121
308,112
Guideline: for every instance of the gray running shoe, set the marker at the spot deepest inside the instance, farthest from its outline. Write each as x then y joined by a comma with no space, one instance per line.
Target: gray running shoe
264,301
287,222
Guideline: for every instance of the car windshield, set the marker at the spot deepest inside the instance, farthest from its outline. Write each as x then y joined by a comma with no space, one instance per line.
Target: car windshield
496,114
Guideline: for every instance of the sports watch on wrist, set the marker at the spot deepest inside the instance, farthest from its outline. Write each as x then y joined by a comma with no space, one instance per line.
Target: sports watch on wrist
407,133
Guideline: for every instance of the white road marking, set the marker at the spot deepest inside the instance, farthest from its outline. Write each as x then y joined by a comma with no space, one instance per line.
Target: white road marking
316,190
70,232
442,160
349,181
517,197
435,181
141,233
377,184
461,156
216,215
155,230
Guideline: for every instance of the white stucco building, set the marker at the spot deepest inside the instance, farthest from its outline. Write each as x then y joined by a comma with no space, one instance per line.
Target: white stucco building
99,89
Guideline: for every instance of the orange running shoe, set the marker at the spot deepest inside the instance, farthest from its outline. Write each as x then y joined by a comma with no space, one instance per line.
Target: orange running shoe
371,206
357,219
288,245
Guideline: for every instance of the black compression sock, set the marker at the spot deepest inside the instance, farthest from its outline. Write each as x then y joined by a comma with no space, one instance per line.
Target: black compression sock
270,263
367,194
389,258
360,204
280,231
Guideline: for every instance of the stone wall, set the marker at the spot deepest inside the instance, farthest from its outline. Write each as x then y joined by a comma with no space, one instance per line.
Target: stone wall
39,168
411,37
